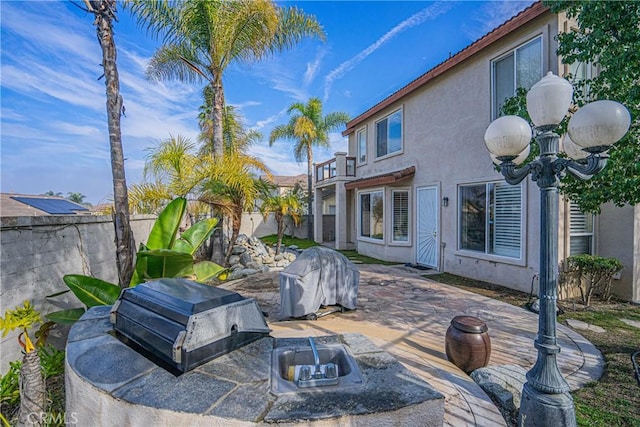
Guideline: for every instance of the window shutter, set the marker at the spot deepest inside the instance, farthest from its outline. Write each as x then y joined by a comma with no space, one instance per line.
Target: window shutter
581,231
401,216
507,220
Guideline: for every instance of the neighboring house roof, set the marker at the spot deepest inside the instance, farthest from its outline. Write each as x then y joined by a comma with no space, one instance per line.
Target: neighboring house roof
288,181
384,179
517,21
30,205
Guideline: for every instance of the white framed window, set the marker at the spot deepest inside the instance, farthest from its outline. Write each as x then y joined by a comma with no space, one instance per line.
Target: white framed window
490,219
400,215
361,141
521,67
389,134
371,207
581,231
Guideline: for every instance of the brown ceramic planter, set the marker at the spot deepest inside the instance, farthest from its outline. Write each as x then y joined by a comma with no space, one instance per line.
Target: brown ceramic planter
467,343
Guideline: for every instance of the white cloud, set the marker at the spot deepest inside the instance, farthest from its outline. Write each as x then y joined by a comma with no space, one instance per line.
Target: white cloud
312,67
427,14
492,15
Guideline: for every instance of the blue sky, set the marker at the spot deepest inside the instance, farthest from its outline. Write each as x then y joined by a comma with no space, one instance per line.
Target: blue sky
53,119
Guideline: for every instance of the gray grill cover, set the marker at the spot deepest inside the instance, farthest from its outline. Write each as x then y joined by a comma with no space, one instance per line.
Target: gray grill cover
318,277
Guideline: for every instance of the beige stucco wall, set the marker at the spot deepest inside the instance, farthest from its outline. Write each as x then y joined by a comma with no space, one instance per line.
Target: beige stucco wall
444,125
619,237
36,252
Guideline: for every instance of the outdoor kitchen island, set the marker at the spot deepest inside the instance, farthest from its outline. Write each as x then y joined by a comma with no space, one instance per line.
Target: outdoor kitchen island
109,383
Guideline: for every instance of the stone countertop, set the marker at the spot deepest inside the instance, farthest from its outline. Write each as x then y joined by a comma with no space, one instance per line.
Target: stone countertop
234,389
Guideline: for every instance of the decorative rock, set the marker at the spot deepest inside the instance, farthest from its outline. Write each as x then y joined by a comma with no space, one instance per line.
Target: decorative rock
254,265
251,256
245,258
237,250
503,384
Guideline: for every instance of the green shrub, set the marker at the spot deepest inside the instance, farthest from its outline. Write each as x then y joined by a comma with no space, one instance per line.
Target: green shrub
593,275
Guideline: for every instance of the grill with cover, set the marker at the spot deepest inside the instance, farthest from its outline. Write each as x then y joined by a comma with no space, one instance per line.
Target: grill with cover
183,324
319,277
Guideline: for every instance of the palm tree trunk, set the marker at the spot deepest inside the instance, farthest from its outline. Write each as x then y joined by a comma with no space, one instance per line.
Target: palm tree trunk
125,247
217,238
32,391
309,192
280,230
217,112
235,231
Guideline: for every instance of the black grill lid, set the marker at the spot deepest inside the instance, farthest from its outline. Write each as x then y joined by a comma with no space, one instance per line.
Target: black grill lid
177,299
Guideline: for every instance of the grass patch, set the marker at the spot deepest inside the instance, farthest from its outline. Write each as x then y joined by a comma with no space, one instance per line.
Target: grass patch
357,258
613,400
307,243
288,241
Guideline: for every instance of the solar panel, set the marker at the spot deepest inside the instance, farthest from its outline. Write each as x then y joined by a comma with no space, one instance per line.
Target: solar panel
51,206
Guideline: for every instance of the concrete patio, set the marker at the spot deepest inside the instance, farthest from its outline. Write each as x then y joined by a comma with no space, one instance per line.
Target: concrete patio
407,315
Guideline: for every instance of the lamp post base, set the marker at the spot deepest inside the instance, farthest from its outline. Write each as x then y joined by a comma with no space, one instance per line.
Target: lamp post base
543,409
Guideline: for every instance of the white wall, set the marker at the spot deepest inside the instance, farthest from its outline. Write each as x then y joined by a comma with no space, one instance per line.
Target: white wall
36,252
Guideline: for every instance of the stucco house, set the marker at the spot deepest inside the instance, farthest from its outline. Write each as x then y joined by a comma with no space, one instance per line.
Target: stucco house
418,186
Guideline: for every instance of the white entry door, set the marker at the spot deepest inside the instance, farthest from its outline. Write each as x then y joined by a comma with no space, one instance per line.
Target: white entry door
427,216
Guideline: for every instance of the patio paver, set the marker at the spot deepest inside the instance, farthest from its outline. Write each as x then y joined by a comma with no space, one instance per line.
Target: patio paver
407,315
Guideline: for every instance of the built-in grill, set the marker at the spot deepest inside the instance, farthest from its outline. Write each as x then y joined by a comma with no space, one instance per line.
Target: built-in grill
182,324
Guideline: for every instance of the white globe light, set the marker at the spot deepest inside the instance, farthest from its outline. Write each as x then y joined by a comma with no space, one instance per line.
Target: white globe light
599,123
548,100
518,160
572,149
507,136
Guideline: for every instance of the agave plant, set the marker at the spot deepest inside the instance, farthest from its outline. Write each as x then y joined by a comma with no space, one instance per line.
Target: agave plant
167,253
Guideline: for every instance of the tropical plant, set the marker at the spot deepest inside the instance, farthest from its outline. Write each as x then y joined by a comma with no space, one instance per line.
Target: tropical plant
105,12
76,197
233,189
166,254
613,45
308,128
51,193
202,38
32,386
283,206
235,136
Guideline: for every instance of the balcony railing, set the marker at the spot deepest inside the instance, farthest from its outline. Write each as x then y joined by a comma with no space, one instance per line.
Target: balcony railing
329,169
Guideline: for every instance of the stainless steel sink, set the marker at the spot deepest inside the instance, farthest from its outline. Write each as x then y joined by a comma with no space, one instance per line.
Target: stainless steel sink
288,365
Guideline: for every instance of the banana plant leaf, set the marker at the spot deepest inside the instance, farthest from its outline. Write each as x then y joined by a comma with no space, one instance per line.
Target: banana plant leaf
165,228
195,236
90,291
140,267
66,317
165,263
207,270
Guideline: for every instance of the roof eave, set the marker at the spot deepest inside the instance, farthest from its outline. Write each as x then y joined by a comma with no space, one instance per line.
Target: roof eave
514,23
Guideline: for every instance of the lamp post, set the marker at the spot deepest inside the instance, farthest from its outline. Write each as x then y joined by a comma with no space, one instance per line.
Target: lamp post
594,128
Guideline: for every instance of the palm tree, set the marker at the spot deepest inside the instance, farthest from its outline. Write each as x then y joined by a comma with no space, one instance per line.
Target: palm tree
288,205
76,197
202,38
105,12
233,189
307,127
235,136
176,170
